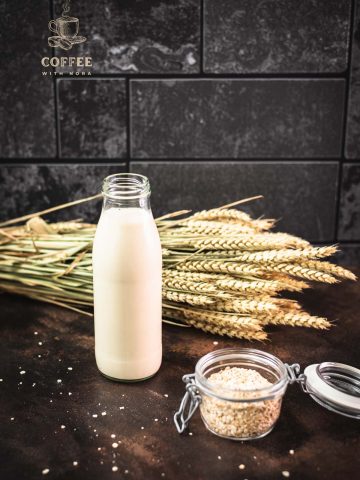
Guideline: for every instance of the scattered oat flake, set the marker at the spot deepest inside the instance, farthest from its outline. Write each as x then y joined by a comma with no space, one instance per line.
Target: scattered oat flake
190,433
285,474
59,380
291,452
70,393
115,445
45,471
113,435
63,426
1,379
156,419
39,356
114,468
70,368
35,333
34,384
12,419
242,466
20,383
75,464
94,415
142,428
219,457
40,343
216,343
166,395
121,408
22,372
103,413
99,448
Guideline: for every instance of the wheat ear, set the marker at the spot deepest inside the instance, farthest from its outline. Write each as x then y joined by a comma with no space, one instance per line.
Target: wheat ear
279,256
189,286
330,268
301,319
267,241
231,331
175,296
298,270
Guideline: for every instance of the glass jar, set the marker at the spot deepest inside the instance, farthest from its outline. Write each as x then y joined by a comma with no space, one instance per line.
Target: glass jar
243,411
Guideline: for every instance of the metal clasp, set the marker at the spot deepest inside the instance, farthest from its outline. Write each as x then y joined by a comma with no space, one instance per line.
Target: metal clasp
190,402
295,376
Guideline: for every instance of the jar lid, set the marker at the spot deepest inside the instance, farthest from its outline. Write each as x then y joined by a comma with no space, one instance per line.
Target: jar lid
335,386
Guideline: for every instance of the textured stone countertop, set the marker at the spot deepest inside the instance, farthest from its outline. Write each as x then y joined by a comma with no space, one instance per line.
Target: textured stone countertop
58,413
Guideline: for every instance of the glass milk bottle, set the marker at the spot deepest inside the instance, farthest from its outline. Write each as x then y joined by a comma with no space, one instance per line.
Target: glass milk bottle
127,281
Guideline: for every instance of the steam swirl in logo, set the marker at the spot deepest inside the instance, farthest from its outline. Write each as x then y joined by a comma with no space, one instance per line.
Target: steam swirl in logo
66,8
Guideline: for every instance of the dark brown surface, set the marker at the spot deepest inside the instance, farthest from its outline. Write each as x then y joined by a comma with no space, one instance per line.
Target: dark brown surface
34,405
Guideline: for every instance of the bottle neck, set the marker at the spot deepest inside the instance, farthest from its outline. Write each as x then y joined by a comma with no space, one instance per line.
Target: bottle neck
126,190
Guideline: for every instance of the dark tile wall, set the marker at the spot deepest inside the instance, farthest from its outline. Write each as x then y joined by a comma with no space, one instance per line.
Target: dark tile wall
243,36
302,196
31,188
131,36
92,118
27,103
236,118
213,100
353,127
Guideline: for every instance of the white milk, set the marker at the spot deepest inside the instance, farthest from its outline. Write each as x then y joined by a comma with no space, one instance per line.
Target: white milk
127,294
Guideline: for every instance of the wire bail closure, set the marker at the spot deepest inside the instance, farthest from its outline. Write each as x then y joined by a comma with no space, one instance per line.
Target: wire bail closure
189,403
295,376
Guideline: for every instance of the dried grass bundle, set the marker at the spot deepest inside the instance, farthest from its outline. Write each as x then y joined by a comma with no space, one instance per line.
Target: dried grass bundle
223,271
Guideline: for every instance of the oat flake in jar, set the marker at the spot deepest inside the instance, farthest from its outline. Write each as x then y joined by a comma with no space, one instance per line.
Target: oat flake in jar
239,391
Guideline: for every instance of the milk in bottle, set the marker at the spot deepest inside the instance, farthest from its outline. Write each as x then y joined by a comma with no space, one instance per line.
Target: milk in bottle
127,281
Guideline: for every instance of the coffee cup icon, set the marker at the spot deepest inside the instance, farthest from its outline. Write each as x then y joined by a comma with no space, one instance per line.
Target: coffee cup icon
66,30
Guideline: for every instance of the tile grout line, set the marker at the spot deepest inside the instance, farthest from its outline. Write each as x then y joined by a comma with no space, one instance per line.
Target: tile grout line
55,90
185,160
214,76
345,120
57,120
201,39
128,126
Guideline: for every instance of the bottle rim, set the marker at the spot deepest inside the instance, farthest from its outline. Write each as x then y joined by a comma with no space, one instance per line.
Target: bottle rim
126,186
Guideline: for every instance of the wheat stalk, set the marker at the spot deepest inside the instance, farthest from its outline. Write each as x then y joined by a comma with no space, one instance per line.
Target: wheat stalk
222,269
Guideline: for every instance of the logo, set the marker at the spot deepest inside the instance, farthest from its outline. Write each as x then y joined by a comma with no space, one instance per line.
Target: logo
66,29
